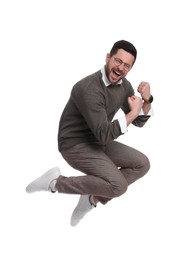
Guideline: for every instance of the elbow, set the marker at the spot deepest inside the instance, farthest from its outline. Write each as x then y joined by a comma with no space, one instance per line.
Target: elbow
140,121
109,133
104,139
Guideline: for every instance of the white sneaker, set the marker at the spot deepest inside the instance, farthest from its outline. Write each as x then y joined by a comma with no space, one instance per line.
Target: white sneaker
43,182
83,207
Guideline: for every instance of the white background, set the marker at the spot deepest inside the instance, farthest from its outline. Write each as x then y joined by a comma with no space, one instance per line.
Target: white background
45,47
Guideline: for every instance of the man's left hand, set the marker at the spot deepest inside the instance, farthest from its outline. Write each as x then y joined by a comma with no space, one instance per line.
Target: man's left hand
144,90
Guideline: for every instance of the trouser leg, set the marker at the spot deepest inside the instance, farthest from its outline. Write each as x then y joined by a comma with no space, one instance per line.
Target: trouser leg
102,177
132,163
109,170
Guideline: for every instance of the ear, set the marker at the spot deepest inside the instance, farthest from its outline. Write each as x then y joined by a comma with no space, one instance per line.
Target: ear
107,57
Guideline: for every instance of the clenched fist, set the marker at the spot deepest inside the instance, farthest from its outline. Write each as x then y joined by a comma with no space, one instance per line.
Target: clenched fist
135,104
144,90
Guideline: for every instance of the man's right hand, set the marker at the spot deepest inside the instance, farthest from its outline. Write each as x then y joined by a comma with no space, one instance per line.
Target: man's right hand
135,104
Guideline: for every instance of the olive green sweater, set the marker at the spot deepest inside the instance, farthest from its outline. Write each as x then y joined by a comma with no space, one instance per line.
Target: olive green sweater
88,114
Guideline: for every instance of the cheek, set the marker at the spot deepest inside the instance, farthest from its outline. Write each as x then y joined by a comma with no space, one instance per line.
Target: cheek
125,74
108,69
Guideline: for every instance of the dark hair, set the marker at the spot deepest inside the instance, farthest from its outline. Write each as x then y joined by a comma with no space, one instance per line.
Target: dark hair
126,46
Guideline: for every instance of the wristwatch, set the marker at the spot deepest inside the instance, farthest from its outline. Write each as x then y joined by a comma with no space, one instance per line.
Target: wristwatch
150,100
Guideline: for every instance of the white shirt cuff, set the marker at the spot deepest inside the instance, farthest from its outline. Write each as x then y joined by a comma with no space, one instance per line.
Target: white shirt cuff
123,124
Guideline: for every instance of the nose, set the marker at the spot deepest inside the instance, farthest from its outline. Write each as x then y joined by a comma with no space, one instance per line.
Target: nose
121,66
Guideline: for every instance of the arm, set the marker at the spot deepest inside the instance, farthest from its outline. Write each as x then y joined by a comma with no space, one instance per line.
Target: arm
135,116
135,104
144,90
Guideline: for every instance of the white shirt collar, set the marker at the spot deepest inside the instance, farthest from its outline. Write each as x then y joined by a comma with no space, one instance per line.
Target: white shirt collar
106,80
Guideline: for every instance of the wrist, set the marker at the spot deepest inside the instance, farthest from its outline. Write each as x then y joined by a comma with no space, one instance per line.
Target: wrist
130,117
149,100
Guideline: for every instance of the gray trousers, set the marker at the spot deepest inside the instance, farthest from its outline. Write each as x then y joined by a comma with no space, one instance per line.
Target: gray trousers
107,170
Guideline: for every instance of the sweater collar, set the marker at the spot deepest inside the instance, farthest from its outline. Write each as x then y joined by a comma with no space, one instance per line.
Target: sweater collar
106,80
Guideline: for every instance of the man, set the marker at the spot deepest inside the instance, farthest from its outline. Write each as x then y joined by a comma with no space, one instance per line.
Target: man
87,133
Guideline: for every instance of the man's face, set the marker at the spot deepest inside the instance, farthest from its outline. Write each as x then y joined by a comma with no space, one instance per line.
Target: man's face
118,65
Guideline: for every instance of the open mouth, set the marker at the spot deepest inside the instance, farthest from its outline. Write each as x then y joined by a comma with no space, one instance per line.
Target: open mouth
116,75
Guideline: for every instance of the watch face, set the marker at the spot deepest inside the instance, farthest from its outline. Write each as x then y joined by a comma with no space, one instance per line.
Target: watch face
150,99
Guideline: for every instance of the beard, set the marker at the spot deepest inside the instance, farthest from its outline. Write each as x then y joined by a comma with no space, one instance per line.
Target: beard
114,74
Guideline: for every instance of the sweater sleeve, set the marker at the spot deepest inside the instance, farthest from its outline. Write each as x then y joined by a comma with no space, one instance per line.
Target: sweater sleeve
141,120
91,105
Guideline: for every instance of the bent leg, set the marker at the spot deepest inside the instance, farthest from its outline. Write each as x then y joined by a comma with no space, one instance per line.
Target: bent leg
102,179
132,163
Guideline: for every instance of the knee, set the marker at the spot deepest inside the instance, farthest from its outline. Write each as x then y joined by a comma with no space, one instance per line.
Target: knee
144,165
119,187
